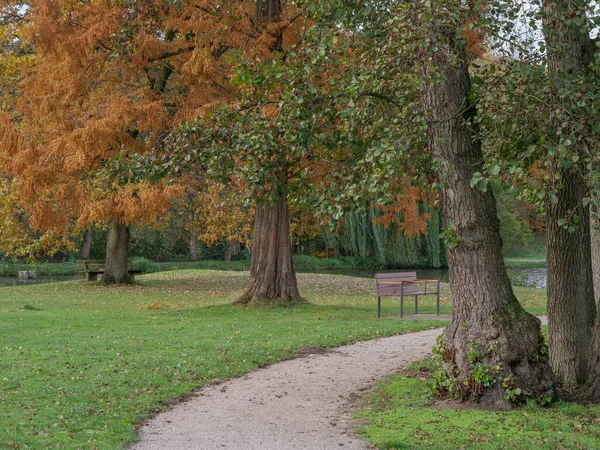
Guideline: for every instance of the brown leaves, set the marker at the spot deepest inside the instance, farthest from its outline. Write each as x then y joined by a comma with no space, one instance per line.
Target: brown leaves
405,211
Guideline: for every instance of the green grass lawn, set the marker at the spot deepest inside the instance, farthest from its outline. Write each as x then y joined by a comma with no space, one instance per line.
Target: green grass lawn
82,364
401,415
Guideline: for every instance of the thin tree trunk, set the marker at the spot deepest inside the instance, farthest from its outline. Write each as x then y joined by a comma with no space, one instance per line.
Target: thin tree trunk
232,249
272,270
268,10
193,243
595,241
87,244
591,389
571,305
489,329
115,270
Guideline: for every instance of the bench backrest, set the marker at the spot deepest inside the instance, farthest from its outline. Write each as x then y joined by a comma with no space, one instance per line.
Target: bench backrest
393,290
90,264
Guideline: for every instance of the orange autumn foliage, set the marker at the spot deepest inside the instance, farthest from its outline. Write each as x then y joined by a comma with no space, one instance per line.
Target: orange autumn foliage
108,81
475,35
475,41
405,210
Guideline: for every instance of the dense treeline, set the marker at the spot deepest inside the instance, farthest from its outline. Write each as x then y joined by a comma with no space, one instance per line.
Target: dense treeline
357,235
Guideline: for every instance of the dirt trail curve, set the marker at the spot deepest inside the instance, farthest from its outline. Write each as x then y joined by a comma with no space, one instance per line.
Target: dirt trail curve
304,403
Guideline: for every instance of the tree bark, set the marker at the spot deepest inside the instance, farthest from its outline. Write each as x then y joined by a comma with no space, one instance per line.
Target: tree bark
571,305
489,329
232,249
595,250
115,270
193,243
86,247
272,270
591,389
268,10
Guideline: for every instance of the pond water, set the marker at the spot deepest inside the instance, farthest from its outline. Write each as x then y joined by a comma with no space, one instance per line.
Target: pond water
519,277
14,281
530,277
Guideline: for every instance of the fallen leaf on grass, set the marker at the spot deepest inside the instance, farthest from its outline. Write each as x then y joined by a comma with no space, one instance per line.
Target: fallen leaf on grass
154,305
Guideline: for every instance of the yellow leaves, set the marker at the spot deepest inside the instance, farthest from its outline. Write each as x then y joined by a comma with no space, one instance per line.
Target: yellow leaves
17,239
218,211
222,213
153,306
201,61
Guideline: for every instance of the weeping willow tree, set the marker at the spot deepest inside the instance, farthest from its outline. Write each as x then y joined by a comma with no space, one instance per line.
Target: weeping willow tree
360,235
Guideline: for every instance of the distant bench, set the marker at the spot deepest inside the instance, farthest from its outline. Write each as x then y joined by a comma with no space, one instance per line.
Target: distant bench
95,267
401,284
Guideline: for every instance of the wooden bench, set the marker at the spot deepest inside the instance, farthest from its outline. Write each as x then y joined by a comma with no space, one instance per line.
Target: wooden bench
94,267
401,284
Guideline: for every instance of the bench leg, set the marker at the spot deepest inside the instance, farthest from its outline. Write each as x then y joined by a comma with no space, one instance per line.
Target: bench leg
91,276
438,298
378,307
401,302
416,305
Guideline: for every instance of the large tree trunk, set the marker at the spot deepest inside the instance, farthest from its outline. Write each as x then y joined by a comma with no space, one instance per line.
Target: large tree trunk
193,243
571,306
489,330
272,270
115,270
86,247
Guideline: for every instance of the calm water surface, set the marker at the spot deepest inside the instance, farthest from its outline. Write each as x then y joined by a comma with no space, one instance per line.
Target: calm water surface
519,277
14,281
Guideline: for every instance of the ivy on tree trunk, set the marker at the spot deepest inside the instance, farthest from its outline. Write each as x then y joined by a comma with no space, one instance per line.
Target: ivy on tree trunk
492,349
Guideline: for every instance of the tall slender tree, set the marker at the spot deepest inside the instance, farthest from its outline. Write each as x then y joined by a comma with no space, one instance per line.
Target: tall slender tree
571,304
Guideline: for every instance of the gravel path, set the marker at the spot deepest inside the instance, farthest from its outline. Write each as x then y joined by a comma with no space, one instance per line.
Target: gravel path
304,403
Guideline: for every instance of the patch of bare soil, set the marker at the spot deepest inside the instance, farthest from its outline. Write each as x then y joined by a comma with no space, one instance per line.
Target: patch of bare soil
313,351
